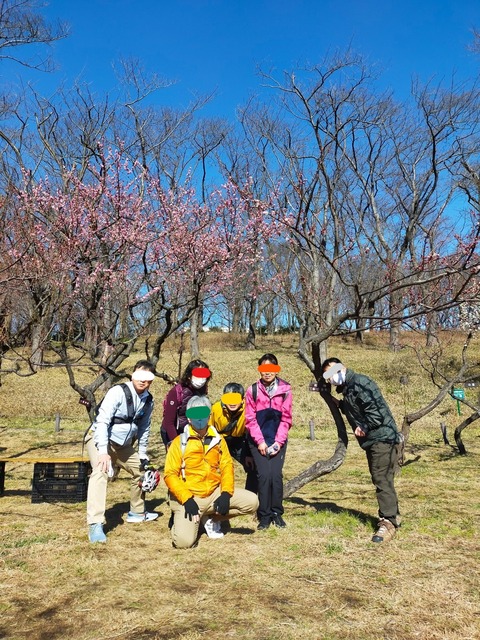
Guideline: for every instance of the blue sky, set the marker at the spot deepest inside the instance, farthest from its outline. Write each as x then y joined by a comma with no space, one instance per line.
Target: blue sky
217,45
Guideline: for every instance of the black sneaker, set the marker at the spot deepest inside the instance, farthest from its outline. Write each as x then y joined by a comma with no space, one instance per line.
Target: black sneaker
263,524
278,521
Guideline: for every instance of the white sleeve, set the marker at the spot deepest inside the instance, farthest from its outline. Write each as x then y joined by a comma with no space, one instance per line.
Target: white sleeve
108,409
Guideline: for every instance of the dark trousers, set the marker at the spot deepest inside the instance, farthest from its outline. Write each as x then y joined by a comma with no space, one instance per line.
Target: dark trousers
270,482
382,462
239,449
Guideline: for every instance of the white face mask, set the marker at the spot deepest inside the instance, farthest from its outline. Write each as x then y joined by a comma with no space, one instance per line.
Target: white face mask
198,383
338,378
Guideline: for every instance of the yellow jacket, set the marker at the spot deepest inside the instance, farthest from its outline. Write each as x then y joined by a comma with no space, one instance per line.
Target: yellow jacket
220,418
200,468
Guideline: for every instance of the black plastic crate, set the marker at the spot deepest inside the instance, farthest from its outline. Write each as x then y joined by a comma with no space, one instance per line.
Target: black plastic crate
60,481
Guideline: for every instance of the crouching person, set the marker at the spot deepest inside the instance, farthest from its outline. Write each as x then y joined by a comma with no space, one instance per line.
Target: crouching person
200,479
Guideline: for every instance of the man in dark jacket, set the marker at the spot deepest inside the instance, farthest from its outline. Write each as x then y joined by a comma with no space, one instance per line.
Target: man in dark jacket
374,426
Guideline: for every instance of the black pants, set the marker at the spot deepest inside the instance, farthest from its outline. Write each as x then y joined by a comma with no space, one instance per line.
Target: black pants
239,449
270,482
382,461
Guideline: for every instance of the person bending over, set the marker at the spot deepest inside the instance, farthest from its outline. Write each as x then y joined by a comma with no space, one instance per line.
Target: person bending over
376,431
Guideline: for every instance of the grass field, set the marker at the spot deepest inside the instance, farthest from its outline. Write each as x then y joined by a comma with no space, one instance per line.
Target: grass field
321,578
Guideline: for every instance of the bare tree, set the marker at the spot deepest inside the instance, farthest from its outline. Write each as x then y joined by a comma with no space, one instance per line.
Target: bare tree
23,26
444,375
365,188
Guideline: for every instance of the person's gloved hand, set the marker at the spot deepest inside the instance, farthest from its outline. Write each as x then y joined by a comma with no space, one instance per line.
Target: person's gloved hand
144,463
222,503
191,508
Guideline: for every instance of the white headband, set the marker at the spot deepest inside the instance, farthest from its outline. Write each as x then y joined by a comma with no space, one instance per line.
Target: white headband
331,371
142,375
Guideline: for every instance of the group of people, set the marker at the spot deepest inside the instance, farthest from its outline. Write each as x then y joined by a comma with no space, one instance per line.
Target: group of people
202,441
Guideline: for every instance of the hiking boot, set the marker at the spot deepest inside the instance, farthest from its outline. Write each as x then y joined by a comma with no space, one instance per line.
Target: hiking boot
385,531
264,524
141,517
278,521
95,533
213,528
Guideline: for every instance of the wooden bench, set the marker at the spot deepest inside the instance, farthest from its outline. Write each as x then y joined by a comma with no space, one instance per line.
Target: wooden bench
62,479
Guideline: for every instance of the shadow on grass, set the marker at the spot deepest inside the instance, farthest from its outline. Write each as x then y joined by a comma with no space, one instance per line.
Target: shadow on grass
451,454
364,518
408,462
242,531
115,516
50,448
17,493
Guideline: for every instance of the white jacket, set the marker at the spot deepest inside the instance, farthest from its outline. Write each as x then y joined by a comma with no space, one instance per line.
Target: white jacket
114,405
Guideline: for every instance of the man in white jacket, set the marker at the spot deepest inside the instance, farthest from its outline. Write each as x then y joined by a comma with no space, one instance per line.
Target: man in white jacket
123,420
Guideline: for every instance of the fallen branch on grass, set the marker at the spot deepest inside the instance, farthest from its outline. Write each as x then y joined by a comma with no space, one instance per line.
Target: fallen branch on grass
322,467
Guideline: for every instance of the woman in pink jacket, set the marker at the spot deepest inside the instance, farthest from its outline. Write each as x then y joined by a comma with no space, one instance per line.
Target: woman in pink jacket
268,414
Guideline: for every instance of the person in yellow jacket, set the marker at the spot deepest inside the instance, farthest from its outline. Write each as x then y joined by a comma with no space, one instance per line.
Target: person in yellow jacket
200,479
228,418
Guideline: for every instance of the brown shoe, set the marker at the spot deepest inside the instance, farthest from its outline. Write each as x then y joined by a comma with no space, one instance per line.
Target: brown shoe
385,531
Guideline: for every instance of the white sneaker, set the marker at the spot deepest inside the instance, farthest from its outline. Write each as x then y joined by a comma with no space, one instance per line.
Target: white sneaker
213,528
141,517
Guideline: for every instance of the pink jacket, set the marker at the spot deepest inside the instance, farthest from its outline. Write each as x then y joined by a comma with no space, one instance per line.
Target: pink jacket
281,401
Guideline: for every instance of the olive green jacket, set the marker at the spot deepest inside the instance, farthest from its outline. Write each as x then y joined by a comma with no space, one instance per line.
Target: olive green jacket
365,407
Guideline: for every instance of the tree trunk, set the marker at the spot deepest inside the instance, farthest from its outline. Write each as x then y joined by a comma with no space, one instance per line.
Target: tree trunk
195,325
37,336
395,305
90,339
359,334
322,467
432,329
394,344
461,427
251,336
269,314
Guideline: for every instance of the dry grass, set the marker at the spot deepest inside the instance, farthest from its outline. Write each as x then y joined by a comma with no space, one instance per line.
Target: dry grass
320,578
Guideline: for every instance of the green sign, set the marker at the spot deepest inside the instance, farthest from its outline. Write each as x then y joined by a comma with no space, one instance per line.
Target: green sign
458,393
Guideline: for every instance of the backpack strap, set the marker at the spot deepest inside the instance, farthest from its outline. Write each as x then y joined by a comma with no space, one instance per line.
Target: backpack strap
183,446
129,418
230,427
255,392
130,409
179,389
130,406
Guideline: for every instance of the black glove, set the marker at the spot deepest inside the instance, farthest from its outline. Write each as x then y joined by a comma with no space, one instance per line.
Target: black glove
191,508
222,503
144,464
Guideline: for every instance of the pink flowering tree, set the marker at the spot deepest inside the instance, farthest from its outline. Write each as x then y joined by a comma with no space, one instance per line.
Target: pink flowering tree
252,233
106,262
